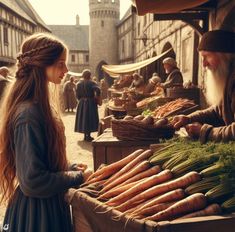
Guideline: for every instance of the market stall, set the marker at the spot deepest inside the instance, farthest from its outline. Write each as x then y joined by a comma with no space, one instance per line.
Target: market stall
173,188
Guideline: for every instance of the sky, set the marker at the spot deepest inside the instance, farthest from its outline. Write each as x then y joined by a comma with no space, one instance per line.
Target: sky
63,12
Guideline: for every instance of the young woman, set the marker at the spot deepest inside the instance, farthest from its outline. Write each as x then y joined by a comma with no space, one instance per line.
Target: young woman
34,172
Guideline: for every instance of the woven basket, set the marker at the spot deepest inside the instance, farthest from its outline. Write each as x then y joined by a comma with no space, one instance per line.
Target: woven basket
134,130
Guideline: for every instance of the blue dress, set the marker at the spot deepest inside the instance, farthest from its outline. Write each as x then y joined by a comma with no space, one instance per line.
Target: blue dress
38,204
87,118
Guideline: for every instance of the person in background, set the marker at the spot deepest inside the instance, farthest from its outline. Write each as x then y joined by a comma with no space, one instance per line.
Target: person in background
217,123
174,78
4,72
104,88
137,83
87,118
70,95
34,171
153,82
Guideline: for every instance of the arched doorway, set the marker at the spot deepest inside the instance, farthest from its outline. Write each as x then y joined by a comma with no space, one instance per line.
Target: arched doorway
144,72
100,74
159,65
152,68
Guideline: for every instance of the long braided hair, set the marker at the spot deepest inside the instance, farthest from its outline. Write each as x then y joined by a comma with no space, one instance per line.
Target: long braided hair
38,52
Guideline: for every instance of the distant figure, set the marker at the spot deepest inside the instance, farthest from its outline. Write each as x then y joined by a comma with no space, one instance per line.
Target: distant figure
153,82
70,95
137,83
4,71
87,118
104,88
174,78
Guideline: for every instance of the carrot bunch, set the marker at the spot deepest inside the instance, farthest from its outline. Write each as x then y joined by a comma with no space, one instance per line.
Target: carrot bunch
163,184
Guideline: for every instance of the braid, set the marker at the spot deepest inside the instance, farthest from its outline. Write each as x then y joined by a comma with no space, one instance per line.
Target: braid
28,59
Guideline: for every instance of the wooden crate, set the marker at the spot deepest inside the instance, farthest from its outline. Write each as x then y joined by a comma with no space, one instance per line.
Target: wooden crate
89,216
108,149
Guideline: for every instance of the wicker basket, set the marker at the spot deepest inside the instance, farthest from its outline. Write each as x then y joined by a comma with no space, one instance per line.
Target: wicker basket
134,130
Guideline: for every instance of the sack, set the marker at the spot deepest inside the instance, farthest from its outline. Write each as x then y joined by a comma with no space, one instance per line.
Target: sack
98,100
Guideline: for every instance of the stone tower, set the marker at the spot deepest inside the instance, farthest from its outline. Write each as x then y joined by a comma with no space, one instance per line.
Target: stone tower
103,39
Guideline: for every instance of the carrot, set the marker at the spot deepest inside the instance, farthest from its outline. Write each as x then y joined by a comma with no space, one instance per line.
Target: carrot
112,168
142,156
180,182
149,172
194,202
118,190
139,168
174,195
149,182
148,211
213,209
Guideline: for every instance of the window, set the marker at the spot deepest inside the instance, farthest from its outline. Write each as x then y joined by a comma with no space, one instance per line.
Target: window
123,46
73,58
185,55
145,20
5,35
87,58
102,23
138,28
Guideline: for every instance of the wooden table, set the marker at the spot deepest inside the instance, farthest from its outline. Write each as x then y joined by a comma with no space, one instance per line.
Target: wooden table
108,149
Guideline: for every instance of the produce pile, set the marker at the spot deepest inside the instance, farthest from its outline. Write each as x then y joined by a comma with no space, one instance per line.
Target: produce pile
181,179
173,108
142,128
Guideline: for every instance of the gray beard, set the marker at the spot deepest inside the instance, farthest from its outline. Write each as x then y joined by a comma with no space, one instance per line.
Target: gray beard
215,83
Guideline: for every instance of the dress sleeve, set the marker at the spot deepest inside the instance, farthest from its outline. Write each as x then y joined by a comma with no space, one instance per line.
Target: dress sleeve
35,178
96,88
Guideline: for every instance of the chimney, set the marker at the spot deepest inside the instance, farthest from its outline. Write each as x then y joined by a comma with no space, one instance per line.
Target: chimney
77,20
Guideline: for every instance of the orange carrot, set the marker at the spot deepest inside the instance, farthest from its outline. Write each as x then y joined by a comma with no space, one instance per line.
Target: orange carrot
148,211
194,202
140,157
213,209
139,168
146,184
112,168
149,172
174,195
180,182
118,190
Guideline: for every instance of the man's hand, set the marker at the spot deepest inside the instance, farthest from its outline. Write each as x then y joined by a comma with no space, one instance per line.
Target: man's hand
179,121
194,130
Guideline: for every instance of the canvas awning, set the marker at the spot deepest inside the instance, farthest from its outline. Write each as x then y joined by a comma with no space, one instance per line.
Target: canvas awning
75,74
165,6
116,70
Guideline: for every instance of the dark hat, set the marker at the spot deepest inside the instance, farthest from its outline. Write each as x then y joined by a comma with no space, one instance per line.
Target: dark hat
218,41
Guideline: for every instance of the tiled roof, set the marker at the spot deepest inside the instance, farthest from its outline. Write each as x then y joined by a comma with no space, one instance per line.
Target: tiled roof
75,37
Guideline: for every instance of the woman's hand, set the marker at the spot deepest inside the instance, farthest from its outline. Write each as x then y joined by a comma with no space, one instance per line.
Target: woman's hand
81,167
86,174
194,130
179,121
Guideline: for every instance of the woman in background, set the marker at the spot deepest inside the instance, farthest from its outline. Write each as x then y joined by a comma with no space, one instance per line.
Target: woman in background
87,118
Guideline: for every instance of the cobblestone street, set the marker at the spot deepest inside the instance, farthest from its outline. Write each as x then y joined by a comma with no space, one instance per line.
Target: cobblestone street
77,149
